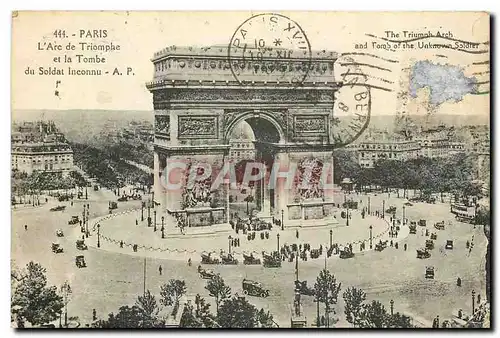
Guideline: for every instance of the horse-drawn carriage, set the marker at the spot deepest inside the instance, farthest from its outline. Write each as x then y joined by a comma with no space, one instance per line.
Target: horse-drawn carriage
273,260
254,288
346,252
380,246
249,259
423,253
206,258
303,289
205,274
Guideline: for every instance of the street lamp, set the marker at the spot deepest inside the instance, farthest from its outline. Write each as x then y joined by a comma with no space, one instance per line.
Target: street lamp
278,237
229,238
371,236
162,227
383,208
149,213
473,302
282,219
331,237
86,195
98,235
154,216
142,211
392,307
404,207
369,209
347,215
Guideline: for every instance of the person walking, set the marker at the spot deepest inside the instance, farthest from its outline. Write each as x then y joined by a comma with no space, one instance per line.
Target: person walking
26,227
160,269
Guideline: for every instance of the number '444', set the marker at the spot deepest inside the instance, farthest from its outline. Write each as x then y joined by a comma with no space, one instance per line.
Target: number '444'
59,33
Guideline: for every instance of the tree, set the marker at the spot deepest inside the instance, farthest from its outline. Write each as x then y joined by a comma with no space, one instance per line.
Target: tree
237,312
126,318
149,309
398,320
353,299
327,290
172,292
218,289
198,316
265,319
373,315
33,300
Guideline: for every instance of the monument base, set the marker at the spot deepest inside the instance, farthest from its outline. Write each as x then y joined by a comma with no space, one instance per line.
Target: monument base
201,216
310,209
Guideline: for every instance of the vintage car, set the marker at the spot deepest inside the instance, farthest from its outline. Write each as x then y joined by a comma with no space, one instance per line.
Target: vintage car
58,208
429,272
122,199
206,258
439,225
423,253
380,246
429,244
59,233
249,259
391,210
413,229
422,223
273,260
63,198
449,244
228,259
205,274
408,204
80,261
80,244
254,288
350,204
56,248
112,205
303,289
434,236
74,220
346,253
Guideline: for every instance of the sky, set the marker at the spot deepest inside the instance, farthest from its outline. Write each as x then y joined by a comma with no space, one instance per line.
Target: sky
140,34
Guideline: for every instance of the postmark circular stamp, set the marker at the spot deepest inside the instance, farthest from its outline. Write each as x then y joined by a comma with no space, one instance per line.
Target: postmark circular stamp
270,44
352,105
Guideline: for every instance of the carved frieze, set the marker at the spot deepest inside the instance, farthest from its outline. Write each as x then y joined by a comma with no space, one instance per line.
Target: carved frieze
162,125
198,127
310,170
307,125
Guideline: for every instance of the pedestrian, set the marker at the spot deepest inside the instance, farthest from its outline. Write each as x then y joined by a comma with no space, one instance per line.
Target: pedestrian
459,281
136,222
26,227
478,299
297,233
83,237
71,203
121,244
160,270
406,246
396,245
467,244
391,243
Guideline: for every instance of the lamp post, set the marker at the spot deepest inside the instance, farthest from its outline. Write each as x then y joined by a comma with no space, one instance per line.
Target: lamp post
98,235
369,209
404,216
347,215
142,211
86,195
473,302
371,236
154,217
149,213
331,238
282,219
162,227
87,220
383,208
278,238
392,307
229,238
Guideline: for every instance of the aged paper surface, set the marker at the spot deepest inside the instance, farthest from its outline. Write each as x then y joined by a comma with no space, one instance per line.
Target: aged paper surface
247,169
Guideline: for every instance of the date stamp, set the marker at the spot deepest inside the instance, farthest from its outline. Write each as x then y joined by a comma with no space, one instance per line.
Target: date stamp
270,44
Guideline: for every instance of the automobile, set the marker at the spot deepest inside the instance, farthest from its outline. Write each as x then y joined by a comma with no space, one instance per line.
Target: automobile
228,259
434,236
249,259
80,261
315,253
391,210
122,199
350,204
112,205
56,248
273,260
59,233
63,198
80,244
346,253
429,272
58,208
413,229
205,274
253,288
429,244
423,253
206,258
449,244
408,204
303,289
96,187
422,222
380,246
74,220
439,225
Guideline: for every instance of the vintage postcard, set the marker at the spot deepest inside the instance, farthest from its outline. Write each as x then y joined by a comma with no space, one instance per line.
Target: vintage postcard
250,170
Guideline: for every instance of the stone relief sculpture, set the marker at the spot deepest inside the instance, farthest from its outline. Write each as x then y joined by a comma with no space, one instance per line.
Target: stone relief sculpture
310,175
